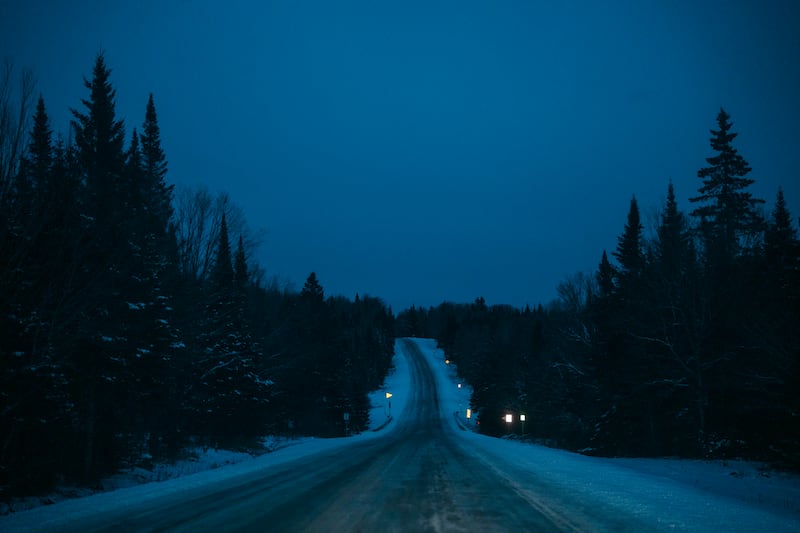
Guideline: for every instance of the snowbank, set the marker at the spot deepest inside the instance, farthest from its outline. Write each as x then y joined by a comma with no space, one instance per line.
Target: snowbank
672,493
204,467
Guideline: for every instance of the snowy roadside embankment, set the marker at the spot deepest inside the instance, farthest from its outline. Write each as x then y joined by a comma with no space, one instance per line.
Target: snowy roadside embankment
205,467
672,493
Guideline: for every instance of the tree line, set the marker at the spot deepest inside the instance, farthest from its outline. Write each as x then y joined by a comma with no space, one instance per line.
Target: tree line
683,344
135,324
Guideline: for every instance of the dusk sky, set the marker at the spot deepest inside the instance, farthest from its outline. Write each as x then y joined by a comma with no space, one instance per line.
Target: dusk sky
430,151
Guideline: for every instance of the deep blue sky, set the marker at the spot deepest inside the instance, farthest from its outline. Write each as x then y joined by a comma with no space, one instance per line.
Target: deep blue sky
430,151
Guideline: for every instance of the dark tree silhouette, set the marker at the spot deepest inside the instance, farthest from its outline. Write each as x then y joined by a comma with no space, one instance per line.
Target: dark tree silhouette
726,205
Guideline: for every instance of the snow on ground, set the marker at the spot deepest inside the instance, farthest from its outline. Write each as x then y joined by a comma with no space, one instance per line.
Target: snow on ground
685,495
689,495
385,410
196,460
205,466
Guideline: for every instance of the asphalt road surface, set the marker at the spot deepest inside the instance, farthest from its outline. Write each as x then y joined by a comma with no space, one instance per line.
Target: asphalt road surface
418,477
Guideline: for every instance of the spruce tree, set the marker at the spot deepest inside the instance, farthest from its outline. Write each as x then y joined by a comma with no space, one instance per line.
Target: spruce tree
605,277
101,359
312,290
240,265
222,276
155,169
780,237
99,138
672,244
726,206
131,195
230,392
629,247
37,164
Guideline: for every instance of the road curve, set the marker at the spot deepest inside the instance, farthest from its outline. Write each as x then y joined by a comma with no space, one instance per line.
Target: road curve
418,477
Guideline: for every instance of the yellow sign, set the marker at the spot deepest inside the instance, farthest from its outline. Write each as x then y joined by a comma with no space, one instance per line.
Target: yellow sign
388,395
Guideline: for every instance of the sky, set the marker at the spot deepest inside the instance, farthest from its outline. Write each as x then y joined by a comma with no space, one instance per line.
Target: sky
434,151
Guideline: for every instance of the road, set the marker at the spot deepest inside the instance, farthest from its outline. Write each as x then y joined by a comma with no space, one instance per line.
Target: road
418,477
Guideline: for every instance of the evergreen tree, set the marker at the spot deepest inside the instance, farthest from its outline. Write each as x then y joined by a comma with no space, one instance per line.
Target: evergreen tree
229,392
312,290
155,168
629,247
605,277
40,149
780,237
99,138
101,360
240,265
222,275
36,165
673,239
130,192
728,209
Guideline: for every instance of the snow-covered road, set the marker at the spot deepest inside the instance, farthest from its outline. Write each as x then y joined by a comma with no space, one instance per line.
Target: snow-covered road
423,472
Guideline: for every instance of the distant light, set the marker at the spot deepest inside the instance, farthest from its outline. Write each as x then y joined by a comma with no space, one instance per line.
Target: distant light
459,385
447,361
388,395
522,418
469,413
509,418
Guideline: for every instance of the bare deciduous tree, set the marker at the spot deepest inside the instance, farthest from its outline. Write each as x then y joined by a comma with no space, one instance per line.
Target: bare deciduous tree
575,291
197,218
15,111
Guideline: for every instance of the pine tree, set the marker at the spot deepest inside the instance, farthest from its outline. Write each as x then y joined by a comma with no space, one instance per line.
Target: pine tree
130,191
32,380
155,169
38,161
312,290
101,360
673,239
605,277
230,391
727,208
629,247
780,237
99,138
240,265
222,276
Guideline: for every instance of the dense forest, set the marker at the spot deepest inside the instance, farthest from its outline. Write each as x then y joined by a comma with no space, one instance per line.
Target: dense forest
683,344
134,322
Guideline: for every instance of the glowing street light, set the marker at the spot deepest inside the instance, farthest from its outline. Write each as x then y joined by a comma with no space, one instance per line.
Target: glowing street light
459,385
522,419
447,361
509,418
